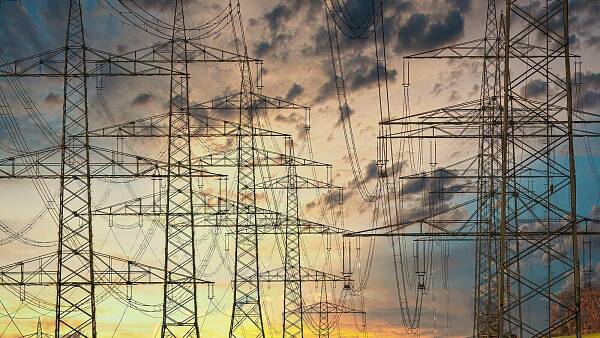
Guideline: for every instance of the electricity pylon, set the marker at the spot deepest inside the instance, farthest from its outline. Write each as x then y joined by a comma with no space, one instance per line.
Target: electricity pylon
292,294
75,287
487,250
180,305
246,316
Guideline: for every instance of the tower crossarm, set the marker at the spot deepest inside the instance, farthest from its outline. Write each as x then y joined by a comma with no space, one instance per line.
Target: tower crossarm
108,270
465,120
264,158
476,49
259,101
330,308
152,60
303,183
99,63
196,52
307,275
214,211
104,163
200,126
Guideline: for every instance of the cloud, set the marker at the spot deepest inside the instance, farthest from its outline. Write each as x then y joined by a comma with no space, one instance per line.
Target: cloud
142,99
53,99
287,118
360,72
277,16
590,94
424,31
349,112
276,42
262,48
584,21
462,5
295,91
372,171
366,77
534,89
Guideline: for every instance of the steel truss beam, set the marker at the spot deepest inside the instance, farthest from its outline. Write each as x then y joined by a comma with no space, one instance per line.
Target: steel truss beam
152,60
214,211
108,270
103,163
200,126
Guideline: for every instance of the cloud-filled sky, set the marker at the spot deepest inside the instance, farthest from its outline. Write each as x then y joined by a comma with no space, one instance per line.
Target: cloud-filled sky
291,37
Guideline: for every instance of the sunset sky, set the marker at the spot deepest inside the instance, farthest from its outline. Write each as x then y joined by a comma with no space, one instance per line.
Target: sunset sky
291,37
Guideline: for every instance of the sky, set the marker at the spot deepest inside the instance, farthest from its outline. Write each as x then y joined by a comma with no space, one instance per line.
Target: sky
290,36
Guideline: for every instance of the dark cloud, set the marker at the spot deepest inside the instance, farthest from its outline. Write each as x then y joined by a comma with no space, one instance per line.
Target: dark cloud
534,89
287,117
372,171
262,48
320,45
447,81
142,99
462,5
156,4
358,12
295,91
53,99
423,31
121,48
360,72
429,182
199,114
431,193
454,96
277,16
326,90
311,8
348,113
366,77
584,23
277,42
590,91
19,36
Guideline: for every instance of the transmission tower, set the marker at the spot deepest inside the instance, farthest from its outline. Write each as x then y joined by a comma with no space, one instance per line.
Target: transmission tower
486,288
246,317
328,313
292,295
75,288
180,313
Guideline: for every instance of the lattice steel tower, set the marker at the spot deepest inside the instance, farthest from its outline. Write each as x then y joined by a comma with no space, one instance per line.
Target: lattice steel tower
75,294
180,313
487,250
246,317
292,295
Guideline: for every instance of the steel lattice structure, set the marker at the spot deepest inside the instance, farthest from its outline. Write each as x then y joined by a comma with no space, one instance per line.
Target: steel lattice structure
521,178
75,287
79,267
180,313
524,182
75,161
